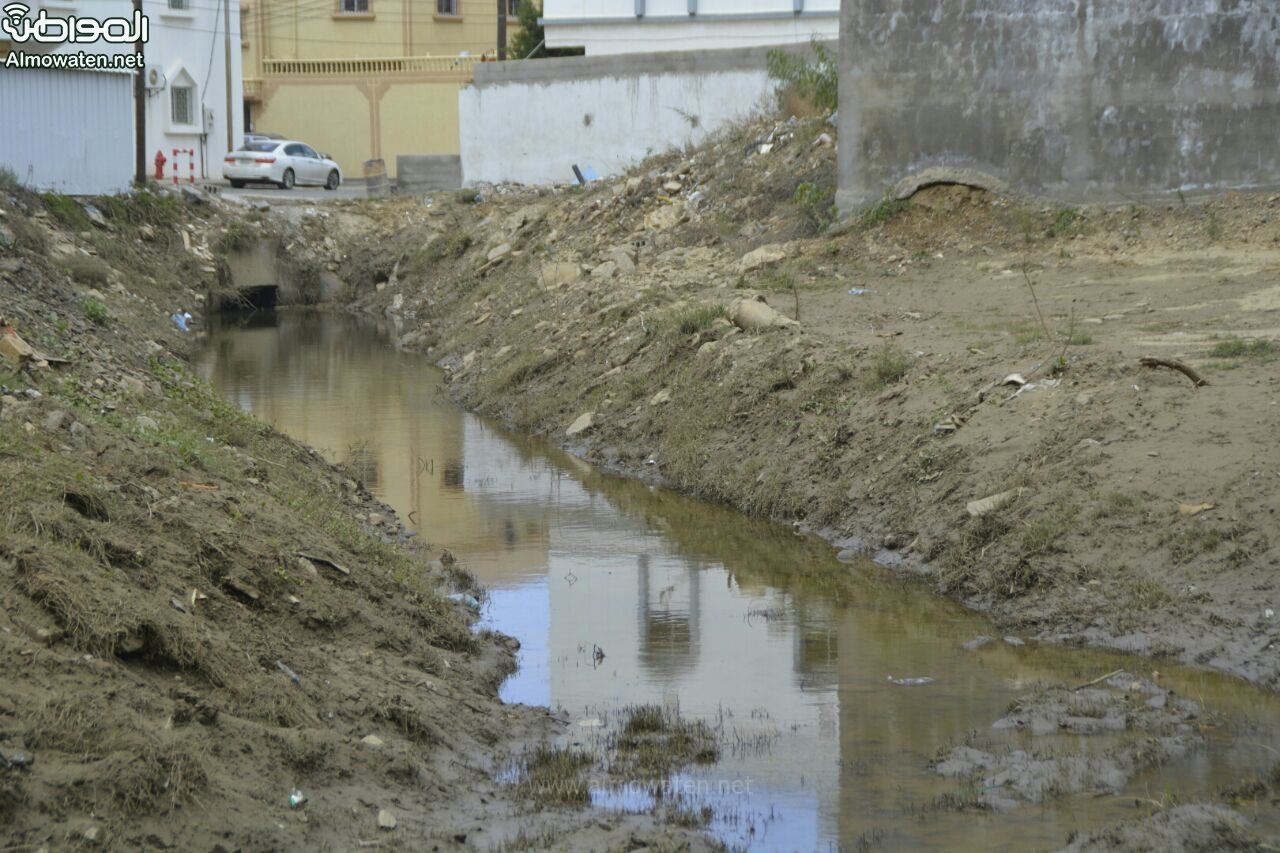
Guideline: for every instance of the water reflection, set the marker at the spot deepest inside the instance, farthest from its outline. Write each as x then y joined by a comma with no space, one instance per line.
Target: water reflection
737,622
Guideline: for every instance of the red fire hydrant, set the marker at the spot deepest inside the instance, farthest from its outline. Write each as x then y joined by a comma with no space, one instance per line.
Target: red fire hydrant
160,161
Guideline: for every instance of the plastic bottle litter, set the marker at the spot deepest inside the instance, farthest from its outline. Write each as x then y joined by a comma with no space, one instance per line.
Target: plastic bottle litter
181,319
296,799
469,600
860,291
293,676
912,682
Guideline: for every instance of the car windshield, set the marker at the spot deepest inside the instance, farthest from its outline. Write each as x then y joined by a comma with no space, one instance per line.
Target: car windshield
259,146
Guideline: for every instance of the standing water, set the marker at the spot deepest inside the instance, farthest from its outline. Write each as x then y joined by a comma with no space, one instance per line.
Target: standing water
758,631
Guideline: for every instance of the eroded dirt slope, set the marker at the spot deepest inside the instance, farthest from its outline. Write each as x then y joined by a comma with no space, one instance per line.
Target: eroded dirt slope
951,348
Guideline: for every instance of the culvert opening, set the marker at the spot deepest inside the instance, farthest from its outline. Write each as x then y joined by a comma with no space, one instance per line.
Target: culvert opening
262,296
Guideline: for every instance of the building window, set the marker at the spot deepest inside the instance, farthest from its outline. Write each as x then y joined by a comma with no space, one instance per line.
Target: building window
447,7
183,104
182,5
513,8
353,7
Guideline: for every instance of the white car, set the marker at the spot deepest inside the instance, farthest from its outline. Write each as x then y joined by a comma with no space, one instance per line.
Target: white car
283,162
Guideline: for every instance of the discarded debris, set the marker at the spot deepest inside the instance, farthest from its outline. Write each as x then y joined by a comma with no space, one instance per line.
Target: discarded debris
860,291
1014,379
912,682
292,676
1100,678
181,319
465,598
1192,510
1174,364
297,799
754,314
386,820
326,562
584,422
991,503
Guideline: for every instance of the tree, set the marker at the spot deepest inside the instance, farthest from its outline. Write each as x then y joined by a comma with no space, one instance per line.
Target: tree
529,41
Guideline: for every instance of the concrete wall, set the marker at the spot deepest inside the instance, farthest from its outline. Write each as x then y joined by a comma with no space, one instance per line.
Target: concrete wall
1100,100
647,26
359,118
423,173
529,122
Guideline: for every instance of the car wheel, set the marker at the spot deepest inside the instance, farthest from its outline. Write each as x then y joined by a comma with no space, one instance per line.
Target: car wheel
237,185
334,180
286,180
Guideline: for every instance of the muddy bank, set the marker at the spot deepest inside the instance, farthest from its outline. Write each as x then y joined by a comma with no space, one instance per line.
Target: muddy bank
953,384
212,638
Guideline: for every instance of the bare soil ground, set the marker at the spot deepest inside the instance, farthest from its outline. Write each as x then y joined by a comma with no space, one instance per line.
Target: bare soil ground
195,623
1136,508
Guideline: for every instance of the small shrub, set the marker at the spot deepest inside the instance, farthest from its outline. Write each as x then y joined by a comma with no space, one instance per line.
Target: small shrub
66,211
690,321
449,245
885,211
9,182
890,366
1066,221
815,202
239,237
816,81
96,311
1237,347
86,270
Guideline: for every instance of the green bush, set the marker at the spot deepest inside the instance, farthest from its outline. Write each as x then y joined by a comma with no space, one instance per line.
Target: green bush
96,311
815,202
816,80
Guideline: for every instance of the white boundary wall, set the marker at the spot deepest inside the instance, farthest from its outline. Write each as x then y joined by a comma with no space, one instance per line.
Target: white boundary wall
69,131
530,121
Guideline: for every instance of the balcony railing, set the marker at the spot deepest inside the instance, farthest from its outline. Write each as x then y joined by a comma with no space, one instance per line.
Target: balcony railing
444,66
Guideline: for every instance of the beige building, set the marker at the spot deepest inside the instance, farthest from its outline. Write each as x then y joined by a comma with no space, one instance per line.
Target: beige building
364,79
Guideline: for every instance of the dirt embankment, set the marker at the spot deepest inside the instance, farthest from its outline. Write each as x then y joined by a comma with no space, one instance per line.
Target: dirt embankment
963,395
205,642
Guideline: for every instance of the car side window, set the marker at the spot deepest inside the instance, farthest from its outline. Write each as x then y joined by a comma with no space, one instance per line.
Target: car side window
310,152
294,150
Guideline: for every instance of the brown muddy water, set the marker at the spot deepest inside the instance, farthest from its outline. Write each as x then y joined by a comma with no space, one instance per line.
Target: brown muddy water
737,622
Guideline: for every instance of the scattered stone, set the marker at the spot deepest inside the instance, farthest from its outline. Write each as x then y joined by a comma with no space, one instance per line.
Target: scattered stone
977,642
667,216
499,252
560,273
606,270
991,503
132,386
623,261
1015,641
663,396
584,422
146,423
753,314
79,430
765,256
672,187
56,420
94,835
371,740
386,820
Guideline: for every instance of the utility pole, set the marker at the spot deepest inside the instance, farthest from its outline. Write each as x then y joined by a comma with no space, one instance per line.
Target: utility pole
139,109
502,29
226,43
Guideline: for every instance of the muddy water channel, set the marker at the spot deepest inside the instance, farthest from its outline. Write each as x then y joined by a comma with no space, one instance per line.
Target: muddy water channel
786,652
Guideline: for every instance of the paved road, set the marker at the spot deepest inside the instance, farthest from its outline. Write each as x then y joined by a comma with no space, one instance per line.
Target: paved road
309,195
